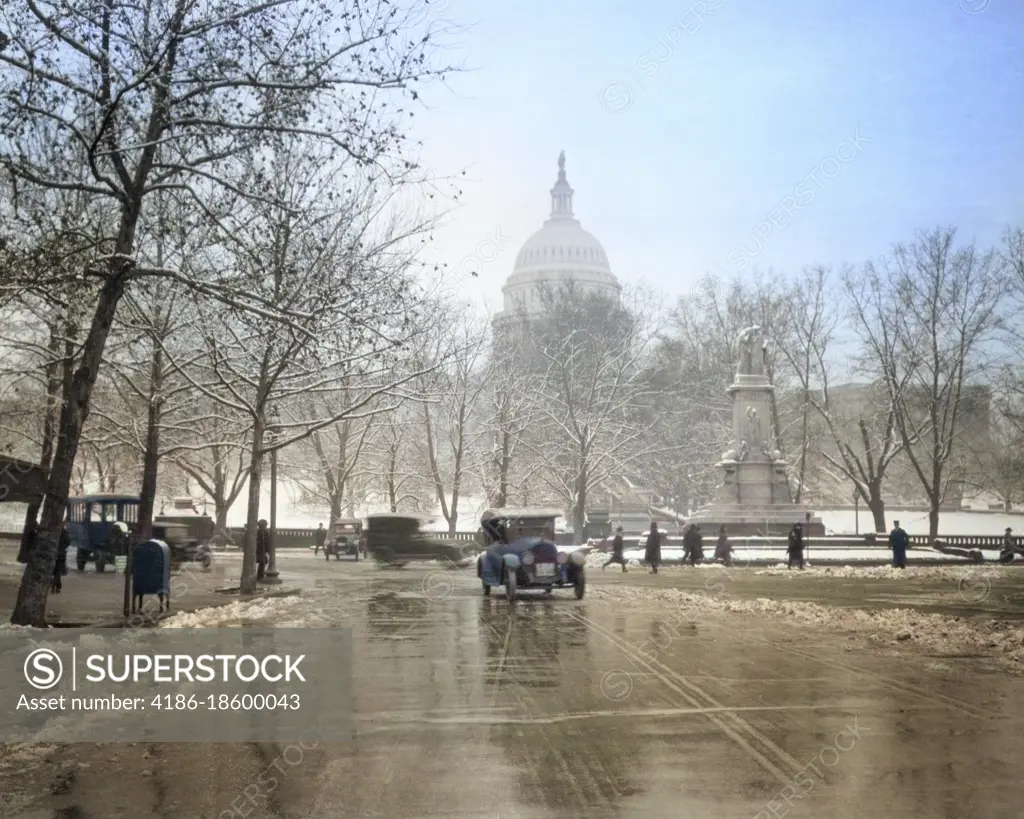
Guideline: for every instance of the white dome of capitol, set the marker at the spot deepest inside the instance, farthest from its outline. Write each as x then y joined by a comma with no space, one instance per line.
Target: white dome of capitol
560,252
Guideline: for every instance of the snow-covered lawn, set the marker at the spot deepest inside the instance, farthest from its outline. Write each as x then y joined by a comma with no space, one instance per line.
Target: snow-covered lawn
1002,641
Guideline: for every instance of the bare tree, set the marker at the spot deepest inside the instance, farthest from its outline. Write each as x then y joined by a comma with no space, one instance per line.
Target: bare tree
452,393
926,315
507,410
861,427
402,480
592,358
163,97
213,451
333,459
325,249
814,318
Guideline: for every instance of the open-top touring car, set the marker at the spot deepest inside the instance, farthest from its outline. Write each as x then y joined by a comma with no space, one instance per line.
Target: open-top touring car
522,554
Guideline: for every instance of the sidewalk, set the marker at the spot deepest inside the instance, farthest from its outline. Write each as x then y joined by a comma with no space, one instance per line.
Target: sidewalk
92,599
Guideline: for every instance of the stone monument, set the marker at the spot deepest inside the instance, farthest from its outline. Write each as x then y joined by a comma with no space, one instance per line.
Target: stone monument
754,495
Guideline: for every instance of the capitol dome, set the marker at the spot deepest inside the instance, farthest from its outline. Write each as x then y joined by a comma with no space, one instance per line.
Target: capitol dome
559,253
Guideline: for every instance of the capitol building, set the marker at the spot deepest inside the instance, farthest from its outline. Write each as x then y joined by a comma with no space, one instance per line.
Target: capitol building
559,254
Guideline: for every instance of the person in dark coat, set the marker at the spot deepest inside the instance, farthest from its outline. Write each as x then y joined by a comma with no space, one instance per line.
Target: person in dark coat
1009,550
898,541
60,568
723,549
796,546
697,550
652,554
616,551
262,549
320,539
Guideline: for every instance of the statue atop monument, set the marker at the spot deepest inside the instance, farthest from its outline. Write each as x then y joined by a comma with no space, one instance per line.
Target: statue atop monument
753,350
755,495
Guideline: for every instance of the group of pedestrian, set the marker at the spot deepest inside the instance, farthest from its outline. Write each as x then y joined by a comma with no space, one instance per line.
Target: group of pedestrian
693,547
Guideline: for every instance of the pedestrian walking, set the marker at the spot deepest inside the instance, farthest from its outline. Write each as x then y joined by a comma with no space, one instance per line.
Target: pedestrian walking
616,551
898,541
262,549
697,551
796,546
60,568
652,553
723,549
1009,550
320,538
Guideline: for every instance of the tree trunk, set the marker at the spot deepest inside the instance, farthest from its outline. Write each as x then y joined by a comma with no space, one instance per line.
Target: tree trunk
933,520
503,469
58,379
877,507
804,433
30,609
335,511
392,487
220,523
247,584
579,512
151,456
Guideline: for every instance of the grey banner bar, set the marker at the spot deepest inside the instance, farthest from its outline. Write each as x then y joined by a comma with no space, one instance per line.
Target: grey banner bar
176,685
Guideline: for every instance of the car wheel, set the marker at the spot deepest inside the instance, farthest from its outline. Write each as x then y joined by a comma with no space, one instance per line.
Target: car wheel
580,586
487,589
206,562
81,564
101,567
510,586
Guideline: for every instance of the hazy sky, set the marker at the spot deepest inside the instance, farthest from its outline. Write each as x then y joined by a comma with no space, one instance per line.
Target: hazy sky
685,132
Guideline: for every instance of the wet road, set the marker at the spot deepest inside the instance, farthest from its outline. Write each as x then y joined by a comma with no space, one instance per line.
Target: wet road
468,707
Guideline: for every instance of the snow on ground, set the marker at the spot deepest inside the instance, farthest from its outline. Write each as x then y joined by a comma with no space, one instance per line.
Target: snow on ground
280,611
22,757
1003,642
955,573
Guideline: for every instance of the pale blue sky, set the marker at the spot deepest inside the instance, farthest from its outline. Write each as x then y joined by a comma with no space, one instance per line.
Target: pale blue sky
727,116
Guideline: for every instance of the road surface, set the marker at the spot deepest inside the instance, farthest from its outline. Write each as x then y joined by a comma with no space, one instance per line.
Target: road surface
467,707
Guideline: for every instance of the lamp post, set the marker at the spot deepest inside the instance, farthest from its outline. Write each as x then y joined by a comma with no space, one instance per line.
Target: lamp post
856,513
272,432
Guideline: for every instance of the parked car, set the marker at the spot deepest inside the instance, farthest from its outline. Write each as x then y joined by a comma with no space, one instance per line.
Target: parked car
92,530
102,526
345,539
522,554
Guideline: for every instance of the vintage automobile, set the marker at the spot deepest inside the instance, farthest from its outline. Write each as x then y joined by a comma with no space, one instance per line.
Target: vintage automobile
394,540
345,539
91,529
188,534
96,537
522,554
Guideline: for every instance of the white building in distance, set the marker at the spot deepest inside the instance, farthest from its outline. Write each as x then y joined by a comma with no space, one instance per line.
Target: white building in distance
559,253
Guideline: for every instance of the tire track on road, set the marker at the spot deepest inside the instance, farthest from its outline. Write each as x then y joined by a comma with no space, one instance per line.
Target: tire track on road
719,721
573,777
891,682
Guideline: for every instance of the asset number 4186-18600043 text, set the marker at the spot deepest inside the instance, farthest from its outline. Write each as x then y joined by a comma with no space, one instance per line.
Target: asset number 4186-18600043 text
226,702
